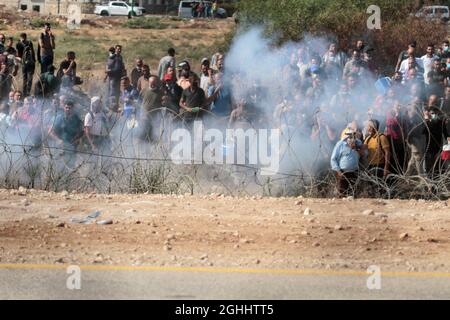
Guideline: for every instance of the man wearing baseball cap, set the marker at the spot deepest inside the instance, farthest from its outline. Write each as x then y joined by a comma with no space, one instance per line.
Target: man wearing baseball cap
345,162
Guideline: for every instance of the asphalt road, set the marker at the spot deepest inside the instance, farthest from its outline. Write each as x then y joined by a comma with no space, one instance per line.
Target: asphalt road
109,282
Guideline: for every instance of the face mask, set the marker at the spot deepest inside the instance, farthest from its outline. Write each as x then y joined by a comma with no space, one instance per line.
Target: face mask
433,116
448,65
446,49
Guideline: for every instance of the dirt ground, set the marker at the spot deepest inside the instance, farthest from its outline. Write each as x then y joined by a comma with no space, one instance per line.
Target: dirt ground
221,231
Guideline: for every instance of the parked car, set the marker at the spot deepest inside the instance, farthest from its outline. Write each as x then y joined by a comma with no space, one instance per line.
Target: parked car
185,9
118,8
434,13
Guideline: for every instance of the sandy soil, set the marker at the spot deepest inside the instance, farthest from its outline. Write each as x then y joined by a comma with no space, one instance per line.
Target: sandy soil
220,231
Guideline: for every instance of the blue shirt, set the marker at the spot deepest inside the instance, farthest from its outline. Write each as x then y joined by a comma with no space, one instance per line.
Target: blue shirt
345,158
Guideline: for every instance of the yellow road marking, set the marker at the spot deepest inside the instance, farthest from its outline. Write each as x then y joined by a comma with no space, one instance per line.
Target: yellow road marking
230,270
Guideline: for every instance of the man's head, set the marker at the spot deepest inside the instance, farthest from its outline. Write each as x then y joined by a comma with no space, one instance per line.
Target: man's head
205,62
204,68
333,47
139,63
68,107
171,71
10,42
47,27
373,126
171,52
71,55
356,55
112,51
446,46
17,96
184,65
27,102
430,50
194,81
51,69
433,100
436,64
219,63
447,93
146,70
11,95
124,83
23,36
412,73
96,104
2,38
153,83
397,76
118,49
411,62
350,137
359,45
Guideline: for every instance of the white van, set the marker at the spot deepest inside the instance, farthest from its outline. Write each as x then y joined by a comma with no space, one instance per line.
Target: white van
434,13
185,9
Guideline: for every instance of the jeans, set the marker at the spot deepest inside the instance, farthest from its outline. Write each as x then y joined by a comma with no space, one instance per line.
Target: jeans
27,75
46,61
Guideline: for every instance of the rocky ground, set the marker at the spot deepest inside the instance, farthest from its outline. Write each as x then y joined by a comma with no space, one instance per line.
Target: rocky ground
221,231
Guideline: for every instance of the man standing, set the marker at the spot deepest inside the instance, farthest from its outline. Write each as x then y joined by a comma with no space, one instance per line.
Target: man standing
171,90
438,79
333,62
96,127
379,150
25,51
129,96
406,53
67,71
152,98
206,78
46,48
428,62
356,66
137,72
115,70
142,82
165,62
435,132
345,162
68,131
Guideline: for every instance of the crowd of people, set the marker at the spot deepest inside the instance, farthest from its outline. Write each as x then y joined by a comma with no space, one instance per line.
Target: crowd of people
204,9
362,119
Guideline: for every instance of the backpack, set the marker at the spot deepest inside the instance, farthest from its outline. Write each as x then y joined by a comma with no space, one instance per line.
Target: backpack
28,54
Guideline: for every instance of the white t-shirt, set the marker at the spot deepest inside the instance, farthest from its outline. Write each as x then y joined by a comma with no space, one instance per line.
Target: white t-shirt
427,65
97,124
204,83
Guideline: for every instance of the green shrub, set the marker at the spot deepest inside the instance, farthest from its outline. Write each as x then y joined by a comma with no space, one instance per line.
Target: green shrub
40,22
146,23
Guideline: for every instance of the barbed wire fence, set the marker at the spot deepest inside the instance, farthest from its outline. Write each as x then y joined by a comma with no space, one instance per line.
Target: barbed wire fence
29,158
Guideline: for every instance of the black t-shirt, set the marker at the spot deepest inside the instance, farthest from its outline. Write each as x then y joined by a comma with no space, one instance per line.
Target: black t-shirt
25,47
437,77
194,98
64,65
